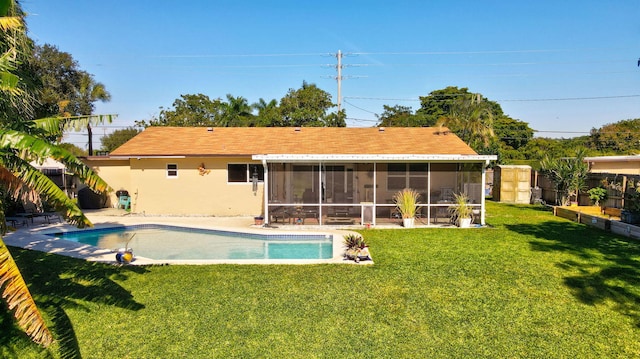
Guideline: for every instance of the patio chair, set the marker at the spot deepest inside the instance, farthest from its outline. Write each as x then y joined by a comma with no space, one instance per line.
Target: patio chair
31,212
279,213
15,221
124,202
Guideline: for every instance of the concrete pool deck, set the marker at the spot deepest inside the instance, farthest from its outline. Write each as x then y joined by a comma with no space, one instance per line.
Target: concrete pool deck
33,236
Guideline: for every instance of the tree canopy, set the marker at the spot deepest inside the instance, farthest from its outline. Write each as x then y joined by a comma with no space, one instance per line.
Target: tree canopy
188,110
440,103
117,138
478,121
307,106
64,89
622,137
399,116
471,119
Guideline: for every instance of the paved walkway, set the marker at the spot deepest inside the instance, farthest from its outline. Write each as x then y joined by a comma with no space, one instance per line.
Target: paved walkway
33,236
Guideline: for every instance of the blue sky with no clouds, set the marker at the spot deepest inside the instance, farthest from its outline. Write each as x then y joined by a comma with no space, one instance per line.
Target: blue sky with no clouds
562,66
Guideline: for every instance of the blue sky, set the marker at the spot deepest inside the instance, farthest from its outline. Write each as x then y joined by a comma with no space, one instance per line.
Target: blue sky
562,66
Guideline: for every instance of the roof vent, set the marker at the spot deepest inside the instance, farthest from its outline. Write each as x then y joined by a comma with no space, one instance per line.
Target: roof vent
381,129
209,129
297,129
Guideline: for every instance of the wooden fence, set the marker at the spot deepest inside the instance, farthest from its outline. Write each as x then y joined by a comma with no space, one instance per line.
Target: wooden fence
616,185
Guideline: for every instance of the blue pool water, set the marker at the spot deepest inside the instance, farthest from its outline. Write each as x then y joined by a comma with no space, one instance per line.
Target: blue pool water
178,243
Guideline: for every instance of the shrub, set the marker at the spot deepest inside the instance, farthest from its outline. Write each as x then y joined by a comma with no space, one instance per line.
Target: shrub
597,194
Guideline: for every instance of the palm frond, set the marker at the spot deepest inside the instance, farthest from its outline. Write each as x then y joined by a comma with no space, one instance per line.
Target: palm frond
48,190
10,22
42,149
9,83
58,125
20,301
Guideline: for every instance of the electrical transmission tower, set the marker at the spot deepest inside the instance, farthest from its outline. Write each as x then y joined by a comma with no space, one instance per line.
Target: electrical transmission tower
339,78
339,55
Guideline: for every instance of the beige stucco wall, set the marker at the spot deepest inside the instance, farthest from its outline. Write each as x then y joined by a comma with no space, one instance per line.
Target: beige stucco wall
620,167
191,193
115,172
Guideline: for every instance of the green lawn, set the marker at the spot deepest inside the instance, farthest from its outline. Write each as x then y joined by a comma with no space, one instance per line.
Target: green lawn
531,286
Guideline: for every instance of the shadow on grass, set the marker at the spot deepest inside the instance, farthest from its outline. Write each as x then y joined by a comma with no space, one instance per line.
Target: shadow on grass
525,207
58,283
607,264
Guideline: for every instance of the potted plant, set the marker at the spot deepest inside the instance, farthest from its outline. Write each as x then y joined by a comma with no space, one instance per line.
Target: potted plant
597,194
407,203
356,248
631,212
258,220
461,211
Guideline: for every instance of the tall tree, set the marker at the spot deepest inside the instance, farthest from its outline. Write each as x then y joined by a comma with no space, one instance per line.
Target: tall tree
87,94
17,149
399,116
65,90
513,133
236,112
18,100
309,106
117,138
188,110
622,137
59,79
471,119
268,113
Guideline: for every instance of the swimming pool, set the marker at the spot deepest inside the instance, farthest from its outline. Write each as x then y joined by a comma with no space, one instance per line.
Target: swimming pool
163,242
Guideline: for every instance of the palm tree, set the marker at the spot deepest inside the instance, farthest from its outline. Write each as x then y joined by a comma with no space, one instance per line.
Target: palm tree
235,112
569,174
471,119
268,113
88,93
17,149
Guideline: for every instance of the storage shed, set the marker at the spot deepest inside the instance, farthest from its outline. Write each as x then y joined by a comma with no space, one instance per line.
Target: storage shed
512,184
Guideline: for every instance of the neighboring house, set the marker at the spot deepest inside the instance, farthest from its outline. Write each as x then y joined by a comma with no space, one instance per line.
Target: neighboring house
57,172
628,165
619,172
296,175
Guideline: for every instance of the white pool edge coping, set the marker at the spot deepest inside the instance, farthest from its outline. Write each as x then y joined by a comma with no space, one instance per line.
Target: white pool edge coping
36,238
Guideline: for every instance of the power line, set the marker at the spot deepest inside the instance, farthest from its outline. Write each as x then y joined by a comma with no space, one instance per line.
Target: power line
572,98
303,54
478,52
237,55
360,108
503,100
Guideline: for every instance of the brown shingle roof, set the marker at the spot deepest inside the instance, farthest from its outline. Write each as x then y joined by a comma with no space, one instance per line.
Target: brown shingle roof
233,141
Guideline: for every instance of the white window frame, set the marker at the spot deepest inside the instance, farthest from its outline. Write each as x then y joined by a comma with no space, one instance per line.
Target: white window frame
248,173
170,170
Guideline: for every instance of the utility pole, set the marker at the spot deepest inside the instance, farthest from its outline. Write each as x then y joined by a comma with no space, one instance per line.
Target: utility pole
339,79
339,55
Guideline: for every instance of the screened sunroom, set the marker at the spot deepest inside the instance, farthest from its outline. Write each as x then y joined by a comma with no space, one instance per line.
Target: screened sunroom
359,189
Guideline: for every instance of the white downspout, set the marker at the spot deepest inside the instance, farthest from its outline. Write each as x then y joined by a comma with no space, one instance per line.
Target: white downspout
265,191
482,199
375,190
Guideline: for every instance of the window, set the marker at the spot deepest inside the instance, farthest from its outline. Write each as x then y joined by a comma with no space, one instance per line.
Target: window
172,170
406,175
243,173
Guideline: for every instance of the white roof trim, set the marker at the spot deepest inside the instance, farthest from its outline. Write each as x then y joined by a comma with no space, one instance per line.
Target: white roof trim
145,157
372,158
631,158
48,163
